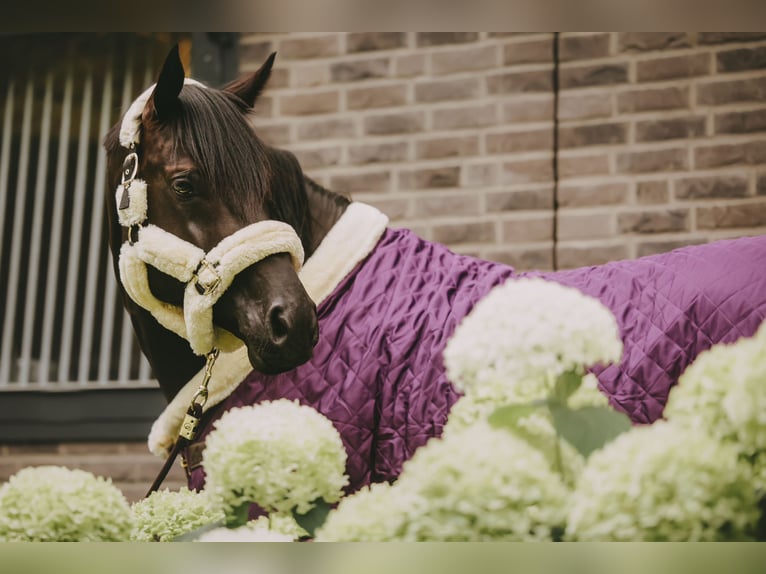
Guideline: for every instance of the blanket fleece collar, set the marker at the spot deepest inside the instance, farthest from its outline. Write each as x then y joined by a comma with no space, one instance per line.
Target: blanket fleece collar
349,241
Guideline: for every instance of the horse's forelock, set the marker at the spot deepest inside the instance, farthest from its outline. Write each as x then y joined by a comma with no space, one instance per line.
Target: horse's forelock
212,128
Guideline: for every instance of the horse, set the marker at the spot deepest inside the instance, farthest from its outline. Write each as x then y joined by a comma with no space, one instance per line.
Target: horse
358,331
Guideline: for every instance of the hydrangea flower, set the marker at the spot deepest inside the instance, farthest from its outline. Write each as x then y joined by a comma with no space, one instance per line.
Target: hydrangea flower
481,484
723,393
54,503
277,528
279,454
165,515
664,482
375,513
526,333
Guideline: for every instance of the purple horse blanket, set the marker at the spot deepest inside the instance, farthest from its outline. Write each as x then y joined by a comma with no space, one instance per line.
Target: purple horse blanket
377,371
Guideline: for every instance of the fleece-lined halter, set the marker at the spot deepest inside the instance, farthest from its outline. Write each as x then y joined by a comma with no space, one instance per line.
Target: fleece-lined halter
206,275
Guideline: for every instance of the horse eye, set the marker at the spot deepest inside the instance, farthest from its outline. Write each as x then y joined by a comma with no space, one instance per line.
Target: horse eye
183,188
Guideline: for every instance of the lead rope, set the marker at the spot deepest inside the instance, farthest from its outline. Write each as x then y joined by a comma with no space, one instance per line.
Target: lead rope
190,424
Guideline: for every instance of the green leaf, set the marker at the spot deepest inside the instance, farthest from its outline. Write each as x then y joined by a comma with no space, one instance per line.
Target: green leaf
566,385
239,516
509,415
314,518
588,428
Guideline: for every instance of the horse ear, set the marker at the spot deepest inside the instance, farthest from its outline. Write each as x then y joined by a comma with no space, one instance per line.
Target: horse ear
171,80
249,87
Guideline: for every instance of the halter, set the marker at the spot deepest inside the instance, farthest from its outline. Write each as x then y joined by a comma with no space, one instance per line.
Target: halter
206,275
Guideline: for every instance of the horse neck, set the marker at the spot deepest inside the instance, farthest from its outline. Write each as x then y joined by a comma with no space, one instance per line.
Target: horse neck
325,209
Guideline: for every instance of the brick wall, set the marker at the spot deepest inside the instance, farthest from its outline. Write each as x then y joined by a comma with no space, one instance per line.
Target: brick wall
661,136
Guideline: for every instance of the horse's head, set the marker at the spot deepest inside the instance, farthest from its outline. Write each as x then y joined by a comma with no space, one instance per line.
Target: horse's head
208,176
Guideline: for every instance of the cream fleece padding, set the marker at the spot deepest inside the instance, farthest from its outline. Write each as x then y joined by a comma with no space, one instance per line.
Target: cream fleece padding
179,259
130,129
350,240
135,213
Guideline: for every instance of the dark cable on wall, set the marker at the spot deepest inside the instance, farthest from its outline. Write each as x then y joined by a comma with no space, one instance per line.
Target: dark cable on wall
555,160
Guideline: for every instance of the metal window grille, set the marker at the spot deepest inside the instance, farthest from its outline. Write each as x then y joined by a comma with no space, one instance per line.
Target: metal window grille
63,325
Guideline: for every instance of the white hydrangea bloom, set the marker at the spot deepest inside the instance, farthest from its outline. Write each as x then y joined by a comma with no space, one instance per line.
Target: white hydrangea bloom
165,515
58,504
664,482
723,393
279,454
276,528
481,484
524,334
376,513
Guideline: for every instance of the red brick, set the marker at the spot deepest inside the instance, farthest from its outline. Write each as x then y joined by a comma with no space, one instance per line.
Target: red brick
587,195
574,225
652,161
318,157
674,67
530,52
527,170
309,103
395,208
522,199
674,128
592,134
465,117
761,186
570,256
429,178
394,123
667,220
746,153
468,232
736,216
439,147
441,38
711,187
583,47
376,97
732,91
440,205
644,100
646,41
741,59
274,134
410,65
741,122
443,90
311,75
520,82
582,165
575,106
519,141
356,70
303,48
523,258
593,75
326,129
648,192
256,52
378,153
655,247
538,228
367,181
478,58
480,175
371,41
519,111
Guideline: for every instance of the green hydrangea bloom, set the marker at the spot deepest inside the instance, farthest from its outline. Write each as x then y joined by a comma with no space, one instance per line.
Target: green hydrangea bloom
165,515
481,484
375,513
57,504
723,393
279,454
526,333
664,482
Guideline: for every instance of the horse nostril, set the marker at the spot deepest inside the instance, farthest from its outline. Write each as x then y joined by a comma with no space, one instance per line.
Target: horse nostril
278,324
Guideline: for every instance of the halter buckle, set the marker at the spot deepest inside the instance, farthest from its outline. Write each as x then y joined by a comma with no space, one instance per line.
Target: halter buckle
206,278
129,168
